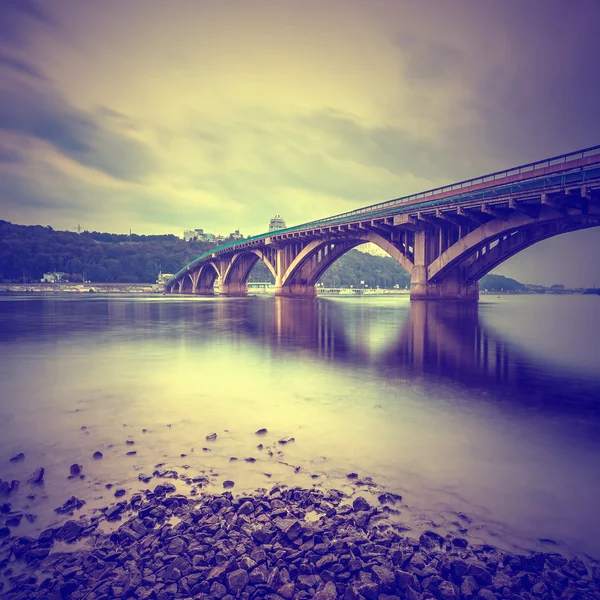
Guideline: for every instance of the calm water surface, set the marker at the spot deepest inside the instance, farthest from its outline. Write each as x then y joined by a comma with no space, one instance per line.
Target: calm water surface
491,412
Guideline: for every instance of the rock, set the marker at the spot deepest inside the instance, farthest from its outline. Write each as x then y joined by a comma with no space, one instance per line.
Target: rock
360,504
75,469
129,442
176,546
19,457
246,508
389,498
469,587
287,591
286,440
384,577
486,595
448,591
352,475
250,459
228,484
262,431
459,542
236,581
70,505
120,492
37,476
97,455
329,592
539,589
211,437
144,478
131,453
480,573
292,528
403,579
4,532
369,590
218,590
68,588
70,531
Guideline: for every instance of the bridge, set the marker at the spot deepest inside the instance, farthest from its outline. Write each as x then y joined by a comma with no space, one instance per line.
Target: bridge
446,238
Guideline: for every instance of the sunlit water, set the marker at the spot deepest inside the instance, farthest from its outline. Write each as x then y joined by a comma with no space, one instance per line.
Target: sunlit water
492,412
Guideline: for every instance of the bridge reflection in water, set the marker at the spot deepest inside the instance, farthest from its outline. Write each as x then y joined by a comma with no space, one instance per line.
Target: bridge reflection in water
449,341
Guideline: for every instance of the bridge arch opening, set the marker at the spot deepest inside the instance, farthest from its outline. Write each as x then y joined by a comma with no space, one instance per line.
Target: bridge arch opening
364,266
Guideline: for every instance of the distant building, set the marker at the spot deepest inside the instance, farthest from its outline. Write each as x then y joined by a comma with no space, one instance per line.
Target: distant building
276,223
372,249
189,234
208,237
236,235
54,277
163,278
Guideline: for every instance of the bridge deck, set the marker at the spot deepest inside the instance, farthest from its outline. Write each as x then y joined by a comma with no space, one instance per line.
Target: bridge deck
573,169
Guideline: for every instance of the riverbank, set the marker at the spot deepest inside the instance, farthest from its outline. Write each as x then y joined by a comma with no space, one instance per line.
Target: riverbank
78,288
285,543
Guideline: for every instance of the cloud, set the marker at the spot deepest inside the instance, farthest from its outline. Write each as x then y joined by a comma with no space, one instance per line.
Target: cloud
20,66
16,17
41,114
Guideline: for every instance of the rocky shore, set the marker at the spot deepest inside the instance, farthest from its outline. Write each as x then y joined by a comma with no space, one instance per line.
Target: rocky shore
282,543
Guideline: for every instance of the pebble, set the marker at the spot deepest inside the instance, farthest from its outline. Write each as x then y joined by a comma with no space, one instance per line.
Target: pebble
211,437
19,457
75,469
261,432
97,455
37,476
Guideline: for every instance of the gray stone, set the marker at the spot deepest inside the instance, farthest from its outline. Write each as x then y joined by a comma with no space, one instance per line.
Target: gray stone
218,590
329,592
480,573
360,504
37,476
469,587
176,546
448,591
384,577
236,581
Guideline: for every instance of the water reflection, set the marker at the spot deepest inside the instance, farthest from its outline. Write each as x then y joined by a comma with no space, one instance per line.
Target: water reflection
446,404
390,336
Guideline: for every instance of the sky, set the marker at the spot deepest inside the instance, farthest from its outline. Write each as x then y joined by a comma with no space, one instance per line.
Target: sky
163,116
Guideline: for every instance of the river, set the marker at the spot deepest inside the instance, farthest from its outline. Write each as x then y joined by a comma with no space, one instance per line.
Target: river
485,420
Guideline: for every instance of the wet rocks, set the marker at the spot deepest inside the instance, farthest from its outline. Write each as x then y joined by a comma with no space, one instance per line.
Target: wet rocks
211,437
228,484
360,504
144,478
120,492
264,545
70,531
75,469
69,506
262,431
18,458
7,488
97,455
37,476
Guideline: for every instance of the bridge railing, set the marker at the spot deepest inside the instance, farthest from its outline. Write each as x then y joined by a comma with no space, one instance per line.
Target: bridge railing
379,208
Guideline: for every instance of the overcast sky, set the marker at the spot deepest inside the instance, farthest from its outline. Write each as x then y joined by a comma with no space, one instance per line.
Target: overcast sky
161,115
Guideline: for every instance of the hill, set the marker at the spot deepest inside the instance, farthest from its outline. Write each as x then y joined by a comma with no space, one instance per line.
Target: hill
27,252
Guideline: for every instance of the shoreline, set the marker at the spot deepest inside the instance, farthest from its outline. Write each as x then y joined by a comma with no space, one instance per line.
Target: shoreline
286,542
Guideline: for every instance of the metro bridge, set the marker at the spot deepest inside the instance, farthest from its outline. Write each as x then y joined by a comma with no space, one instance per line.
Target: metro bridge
446,238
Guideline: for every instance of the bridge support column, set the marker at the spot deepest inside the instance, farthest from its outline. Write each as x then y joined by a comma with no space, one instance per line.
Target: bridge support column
452,287
233,289
304,290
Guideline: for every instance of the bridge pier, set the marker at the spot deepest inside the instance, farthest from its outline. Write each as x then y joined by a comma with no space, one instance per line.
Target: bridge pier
293,290
233,289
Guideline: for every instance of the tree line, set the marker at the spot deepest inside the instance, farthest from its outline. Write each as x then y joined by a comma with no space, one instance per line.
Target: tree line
27,252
